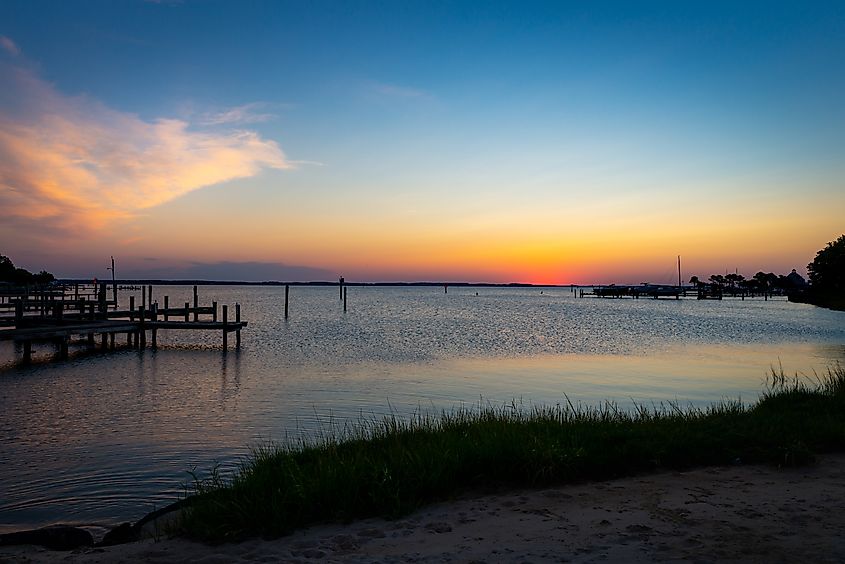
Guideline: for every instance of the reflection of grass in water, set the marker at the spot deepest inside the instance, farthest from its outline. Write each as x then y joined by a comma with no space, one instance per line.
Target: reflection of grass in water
390,466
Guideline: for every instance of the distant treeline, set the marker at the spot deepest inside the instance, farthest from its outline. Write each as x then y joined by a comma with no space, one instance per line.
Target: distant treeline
21,276
759,283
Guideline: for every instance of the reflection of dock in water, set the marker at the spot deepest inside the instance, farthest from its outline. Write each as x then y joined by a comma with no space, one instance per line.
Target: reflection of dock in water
58,315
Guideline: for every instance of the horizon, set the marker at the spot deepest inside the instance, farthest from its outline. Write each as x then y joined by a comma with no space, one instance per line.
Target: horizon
348,282
546,143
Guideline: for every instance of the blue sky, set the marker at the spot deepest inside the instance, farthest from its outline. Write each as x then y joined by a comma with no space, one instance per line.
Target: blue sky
434,116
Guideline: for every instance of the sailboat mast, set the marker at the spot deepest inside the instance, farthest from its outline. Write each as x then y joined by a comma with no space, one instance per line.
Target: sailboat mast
679,271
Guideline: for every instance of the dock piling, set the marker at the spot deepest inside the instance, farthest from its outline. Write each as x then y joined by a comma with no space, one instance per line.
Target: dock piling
238,321
287,292
196,304
101,298
225,328
153,330
142,332
344,300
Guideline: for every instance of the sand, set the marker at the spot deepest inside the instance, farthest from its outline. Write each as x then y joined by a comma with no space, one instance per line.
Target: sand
738,513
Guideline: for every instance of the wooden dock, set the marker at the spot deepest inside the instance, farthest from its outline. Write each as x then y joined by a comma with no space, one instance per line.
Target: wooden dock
654,291
57,318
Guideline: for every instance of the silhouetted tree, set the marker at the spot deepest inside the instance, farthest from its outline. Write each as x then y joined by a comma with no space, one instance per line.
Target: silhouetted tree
21,276
827,271
7,269
717,280
43,277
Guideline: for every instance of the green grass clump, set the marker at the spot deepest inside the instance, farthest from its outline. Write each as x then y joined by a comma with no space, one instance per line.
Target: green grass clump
392,466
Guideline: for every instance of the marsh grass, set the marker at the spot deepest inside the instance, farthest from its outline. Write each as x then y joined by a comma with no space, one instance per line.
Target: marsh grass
391,466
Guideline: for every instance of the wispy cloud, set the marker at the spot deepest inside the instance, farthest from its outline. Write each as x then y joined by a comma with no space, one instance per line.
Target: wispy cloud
9,46
239,115
71,163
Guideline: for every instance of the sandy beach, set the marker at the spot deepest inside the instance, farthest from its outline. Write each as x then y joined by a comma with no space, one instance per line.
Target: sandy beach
738,513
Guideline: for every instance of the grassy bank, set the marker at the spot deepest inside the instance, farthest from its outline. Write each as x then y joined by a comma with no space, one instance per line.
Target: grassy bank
390,467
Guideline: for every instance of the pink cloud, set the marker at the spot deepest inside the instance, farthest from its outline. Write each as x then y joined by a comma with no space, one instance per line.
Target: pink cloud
74,164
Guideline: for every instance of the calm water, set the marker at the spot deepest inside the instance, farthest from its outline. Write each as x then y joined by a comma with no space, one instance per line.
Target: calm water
104,438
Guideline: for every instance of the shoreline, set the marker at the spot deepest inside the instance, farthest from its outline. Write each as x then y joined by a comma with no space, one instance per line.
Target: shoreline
747,513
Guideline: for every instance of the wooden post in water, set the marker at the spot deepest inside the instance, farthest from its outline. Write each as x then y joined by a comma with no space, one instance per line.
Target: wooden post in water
287,292
27,352
143,297
63,348
101,298
344,300
18,313
150,296
196,304
214,313
153,330
187,311
445,288
113,283
238,330
142,332
104,338
340,286
166,305
131,318
225,327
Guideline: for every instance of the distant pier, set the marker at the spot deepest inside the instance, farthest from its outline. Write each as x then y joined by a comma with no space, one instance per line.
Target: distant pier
657,291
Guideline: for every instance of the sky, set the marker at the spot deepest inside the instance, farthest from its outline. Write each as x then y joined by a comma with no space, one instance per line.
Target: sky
539,142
